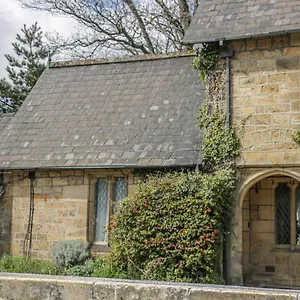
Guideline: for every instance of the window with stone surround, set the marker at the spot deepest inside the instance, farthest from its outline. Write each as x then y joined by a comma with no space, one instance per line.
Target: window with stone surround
2,186
287,212
109,192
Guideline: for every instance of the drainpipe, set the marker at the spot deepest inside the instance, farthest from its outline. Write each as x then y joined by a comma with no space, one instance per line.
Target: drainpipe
227,54
226,244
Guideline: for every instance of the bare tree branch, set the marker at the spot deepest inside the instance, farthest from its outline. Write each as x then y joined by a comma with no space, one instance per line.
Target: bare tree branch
122,26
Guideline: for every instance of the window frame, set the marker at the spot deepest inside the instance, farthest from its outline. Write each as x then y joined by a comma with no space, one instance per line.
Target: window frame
111,178
292,184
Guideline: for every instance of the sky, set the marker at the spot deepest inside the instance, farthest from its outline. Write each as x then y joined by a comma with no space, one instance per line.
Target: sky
12,19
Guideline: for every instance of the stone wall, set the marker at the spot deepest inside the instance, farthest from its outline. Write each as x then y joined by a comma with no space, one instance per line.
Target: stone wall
35,287
62,200
266,93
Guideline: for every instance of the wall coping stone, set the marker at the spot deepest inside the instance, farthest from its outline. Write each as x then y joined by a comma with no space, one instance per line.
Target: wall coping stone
46,287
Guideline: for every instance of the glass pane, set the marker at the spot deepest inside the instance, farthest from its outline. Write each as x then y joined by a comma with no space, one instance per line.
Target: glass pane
298,215
101,204
120,191
282,210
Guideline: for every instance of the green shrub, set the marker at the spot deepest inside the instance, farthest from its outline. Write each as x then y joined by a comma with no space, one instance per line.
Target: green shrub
70,253
171,229
103,268
85,270
25,265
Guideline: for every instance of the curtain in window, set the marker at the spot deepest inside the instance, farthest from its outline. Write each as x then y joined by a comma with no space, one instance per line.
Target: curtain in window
102,211
282,213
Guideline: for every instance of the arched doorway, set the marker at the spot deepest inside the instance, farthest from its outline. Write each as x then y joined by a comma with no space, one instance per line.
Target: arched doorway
270,229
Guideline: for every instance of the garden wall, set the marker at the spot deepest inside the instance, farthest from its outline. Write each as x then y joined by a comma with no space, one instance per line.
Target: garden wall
38,287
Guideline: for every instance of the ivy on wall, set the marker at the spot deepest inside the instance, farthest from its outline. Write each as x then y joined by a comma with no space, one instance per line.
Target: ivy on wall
172,228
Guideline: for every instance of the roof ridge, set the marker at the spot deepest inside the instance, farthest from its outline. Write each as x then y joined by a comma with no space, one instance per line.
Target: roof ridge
124,59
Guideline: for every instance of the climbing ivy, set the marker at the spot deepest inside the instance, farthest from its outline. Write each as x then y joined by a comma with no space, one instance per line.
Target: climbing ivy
206,60
296,137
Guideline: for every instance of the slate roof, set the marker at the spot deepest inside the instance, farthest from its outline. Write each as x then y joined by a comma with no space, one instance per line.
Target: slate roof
234,19
5,118
135,113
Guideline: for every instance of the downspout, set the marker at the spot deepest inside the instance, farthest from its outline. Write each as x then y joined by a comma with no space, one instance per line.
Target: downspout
225,244
227,54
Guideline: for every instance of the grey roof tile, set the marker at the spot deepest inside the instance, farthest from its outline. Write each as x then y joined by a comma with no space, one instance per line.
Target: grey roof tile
135,113
231,19
5,118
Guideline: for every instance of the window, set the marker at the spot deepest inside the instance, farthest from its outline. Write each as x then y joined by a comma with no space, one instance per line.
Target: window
287,213
2,186
109,191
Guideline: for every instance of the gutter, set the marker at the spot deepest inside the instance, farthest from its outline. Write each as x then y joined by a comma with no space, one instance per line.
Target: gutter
239,37
96,167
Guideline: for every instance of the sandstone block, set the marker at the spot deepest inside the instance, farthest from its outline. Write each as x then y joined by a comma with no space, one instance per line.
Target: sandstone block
276,158
263,226
264,43
247,81
280,119
291,51
260,119
277,78
265,65
295,39
280,41
268,89
60,181
261,79
293,79
295,105
286,94
251,44
291,63
75,192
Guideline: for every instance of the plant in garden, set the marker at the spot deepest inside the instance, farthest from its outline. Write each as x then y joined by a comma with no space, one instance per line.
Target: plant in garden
170,230
26,265
70,253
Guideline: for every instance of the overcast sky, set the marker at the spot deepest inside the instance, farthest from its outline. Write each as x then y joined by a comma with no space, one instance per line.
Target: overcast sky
12,19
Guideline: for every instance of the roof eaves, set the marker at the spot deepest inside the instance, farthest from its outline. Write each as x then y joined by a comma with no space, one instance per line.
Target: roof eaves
232,38
5,169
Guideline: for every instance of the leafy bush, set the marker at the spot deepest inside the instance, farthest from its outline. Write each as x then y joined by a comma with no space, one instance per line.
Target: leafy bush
69,253
25,265
170,230
105,269
85,270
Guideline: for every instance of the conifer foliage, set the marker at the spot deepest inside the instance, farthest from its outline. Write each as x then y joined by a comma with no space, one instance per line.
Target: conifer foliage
24,69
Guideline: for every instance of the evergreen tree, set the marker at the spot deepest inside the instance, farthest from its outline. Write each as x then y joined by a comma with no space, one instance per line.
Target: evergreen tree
24,67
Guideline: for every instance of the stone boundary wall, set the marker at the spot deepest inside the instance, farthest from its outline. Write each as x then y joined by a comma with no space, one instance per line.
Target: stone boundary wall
41,287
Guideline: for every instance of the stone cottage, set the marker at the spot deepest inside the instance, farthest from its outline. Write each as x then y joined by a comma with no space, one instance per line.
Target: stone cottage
78,142
264,245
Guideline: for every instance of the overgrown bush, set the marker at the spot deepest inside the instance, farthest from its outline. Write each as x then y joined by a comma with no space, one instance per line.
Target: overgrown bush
170,230
85,270
105,269
26,265
70,253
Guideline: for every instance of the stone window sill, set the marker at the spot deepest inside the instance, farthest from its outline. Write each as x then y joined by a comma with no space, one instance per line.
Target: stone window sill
99,249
